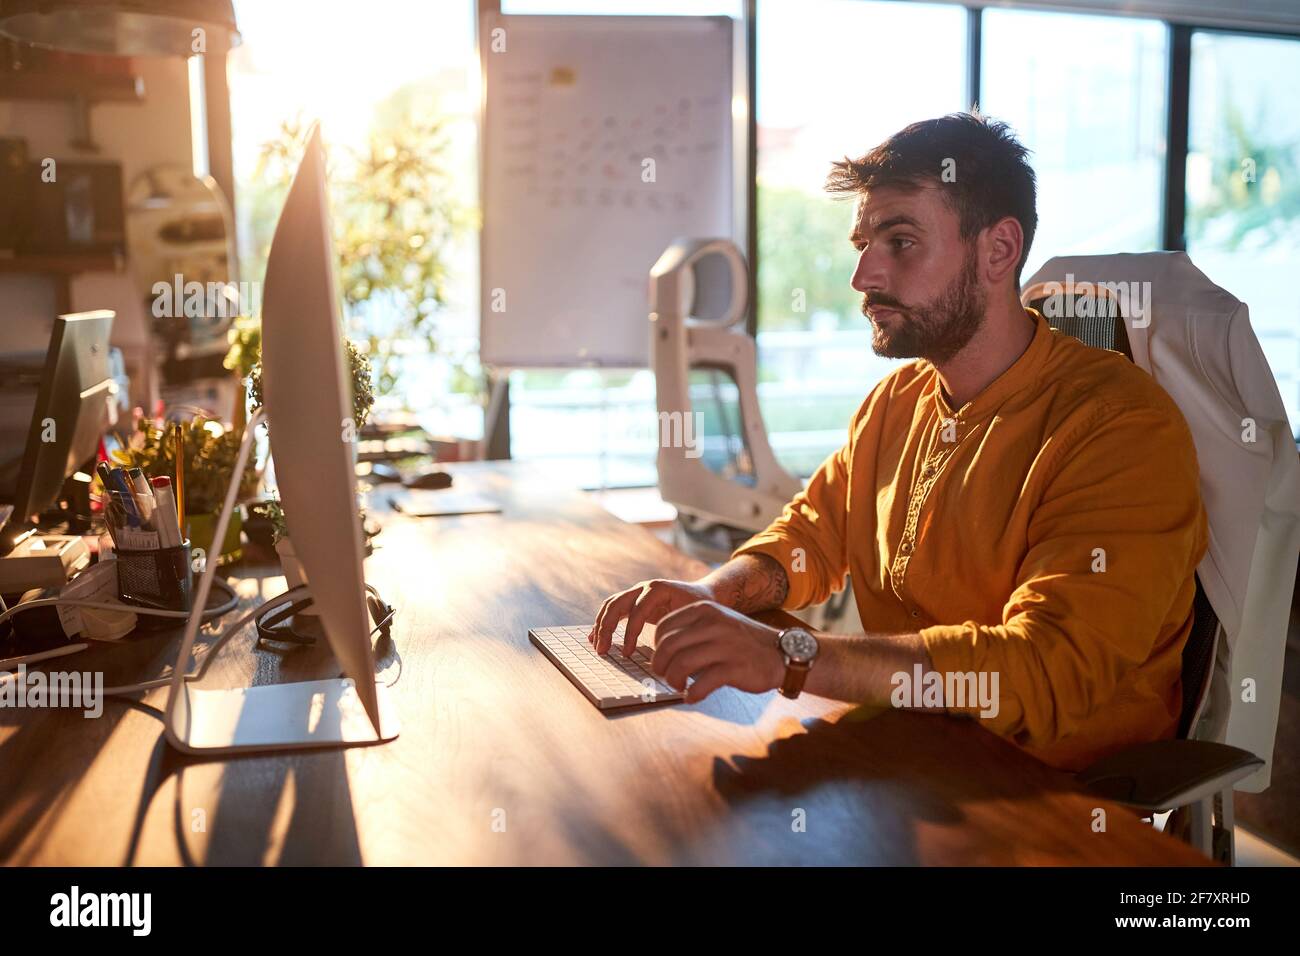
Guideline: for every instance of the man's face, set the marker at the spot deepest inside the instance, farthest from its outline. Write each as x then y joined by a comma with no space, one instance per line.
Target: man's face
919,280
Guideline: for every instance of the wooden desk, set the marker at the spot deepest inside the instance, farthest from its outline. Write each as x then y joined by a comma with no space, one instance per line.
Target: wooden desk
502,761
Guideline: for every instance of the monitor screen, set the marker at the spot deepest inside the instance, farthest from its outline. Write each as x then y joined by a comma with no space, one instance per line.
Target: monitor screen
75,405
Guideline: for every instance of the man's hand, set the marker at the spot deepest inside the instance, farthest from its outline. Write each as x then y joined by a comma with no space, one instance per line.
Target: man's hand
642,604
749,584
719,647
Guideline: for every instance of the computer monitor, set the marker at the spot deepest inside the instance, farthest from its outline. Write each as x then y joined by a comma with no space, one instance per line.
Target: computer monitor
308,404
75,405
307,389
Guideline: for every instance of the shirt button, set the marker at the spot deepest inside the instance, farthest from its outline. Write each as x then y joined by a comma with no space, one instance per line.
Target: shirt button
916,614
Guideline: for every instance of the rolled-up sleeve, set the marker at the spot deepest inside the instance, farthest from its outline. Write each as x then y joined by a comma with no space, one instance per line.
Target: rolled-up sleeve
1112,546
808,539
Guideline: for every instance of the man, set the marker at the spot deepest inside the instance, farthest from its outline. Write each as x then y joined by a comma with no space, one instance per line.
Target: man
1013,506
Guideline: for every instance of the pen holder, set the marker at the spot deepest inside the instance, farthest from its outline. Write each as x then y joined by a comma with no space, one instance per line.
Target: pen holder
159,579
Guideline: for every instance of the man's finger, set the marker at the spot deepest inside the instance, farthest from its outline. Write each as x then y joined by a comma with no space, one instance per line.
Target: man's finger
591,634
690,660
600,615
706,682
684,616
613,612
648,609
679,640
683,624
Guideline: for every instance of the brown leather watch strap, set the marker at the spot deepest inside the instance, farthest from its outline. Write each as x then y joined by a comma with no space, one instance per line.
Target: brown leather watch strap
795,676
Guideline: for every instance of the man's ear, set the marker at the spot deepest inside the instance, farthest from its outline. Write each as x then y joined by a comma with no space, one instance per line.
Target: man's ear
1004,241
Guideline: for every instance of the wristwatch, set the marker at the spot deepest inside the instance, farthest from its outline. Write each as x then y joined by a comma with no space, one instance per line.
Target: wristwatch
799,648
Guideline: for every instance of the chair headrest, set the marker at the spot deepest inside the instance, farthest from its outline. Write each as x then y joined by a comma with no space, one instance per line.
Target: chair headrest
1095,318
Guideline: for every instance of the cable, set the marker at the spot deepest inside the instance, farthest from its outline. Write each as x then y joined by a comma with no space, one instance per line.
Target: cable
232,602
204,662
382,614
277,623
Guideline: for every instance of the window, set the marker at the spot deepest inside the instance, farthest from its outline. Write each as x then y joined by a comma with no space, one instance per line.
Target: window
1243,188
832,75
1087,95
360,75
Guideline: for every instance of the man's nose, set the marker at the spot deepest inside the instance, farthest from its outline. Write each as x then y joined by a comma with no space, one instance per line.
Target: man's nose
869,274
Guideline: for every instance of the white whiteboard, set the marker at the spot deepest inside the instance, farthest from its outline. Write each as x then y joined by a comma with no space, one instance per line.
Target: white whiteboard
574,107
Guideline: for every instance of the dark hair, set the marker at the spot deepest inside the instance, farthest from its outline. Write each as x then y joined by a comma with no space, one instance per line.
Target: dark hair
990,174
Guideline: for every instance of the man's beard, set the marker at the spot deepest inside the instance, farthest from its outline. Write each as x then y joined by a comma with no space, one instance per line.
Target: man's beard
935,331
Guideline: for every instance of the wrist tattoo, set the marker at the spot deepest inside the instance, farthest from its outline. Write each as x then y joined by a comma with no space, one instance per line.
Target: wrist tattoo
759,584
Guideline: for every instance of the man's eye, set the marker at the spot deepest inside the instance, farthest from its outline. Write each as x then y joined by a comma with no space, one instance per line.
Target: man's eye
901,242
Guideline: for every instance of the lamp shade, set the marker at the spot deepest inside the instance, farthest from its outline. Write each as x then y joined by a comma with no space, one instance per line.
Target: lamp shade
123,27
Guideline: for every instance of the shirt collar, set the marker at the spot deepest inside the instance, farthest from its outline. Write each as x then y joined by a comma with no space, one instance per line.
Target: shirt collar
1021,372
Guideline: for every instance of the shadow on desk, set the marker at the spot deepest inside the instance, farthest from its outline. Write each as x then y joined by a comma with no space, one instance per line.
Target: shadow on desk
306,817
304,814
71,784
862,787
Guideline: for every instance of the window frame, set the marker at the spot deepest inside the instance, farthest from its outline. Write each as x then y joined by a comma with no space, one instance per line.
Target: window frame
1173,199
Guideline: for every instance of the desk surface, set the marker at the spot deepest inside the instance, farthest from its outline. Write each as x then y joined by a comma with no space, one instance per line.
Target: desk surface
502,761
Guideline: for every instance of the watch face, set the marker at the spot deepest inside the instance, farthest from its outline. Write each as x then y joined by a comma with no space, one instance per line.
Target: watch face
799,645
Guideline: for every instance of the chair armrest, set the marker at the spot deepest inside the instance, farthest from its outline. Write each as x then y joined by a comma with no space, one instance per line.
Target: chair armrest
1166,774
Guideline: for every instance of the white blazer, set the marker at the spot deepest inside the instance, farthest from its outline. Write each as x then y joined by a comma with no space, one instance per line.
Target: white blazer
1195,339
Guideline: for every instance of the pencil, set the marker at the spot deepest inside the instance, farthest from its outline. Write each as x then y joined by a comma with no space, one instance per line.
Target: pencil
179,490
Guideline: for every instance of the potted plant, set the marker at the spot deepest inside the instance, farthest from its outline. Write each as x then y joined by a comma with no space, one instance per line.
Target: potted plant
274,513
245,337
363,399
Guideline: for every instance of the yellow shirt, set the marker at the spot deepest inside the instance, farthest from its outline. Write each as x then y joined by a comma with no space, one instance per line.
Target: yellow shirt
1047,531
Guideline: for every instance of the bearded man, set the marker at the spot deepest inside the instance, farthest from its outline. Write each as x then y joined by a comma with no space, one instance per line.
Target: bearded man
1015,510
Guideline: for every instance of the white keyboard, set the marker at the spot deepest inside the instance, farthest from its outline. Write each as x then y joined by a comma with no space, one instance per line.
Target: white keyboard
609,681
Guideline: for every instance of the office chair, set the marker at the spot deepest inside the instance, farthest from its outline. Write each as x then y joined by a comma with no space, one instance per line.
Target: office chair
726,484
1195,774
698,293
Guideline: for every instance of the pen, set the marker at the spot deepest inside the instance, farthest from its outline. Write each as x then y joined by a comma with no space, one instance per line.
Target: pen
144,502
125,496
105,472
